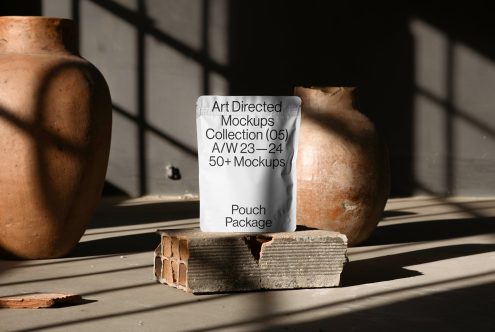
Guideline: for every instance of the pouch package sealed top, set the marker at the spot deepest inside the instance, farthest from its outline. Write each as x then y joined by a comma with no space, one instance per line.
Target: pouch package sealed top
247,148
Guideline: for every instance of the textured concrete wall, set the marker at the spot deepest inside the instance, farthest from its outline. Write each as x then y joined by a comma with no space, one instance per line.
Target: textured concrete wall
427,75
454,114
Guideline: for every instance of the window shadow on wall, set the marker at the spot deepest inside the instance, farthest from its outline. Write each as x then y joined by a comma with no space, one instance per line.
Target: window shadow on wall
145,27
274,46
465,128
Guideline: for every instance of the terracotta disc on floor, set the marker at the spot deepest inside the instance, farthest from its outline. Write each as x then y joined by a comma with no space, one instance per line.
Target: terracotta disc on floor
39,300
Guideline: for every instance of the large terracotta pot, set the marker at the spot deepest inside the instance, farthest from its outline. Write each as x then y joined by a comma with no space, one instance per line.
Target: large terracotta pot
342,167
55,126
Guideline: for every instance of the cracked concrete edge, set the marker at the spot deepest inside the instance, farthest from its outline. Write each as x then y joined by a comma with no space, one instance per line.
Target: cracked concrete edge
226,262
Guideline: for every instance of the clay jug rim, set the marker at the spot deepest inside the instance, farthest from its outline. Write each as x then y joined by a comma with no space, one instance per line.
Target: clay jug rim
34,17
345,97
38,34
329,89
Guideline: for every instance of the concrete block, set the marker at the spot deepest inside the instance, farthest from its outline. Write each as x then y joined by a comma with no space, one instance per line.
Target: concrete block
200,262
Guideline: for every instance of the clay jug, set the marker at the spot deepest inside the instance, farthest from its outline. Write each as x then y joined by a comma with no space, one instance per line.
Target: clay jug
55,126
342,167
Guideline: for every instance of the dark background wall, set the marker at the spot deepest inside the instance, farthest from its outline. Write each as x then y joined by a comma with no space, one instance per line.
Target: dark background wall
426,75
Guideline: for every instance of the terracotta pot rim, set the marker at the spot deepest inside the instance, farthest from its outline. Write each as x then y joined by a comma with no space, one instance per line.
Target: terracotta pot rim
329,88
34,18
38,34
326,86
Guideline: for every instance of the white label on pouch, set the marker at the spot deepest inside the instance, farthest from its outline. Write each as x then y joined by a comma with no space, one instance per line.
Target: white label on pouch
247,150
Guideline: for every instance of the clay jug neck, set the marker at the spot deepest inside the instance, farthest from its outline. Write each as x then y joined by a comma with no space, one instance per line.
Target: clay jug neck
327,98
37,34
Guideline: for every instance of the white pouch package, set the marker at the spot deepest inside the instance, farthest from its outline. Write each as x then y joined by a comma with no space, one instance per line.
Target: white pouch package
247,148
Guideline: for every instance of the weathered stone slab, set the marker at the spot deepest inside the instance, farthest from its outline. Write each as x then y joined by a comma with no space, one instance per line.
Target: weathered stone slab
201,262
